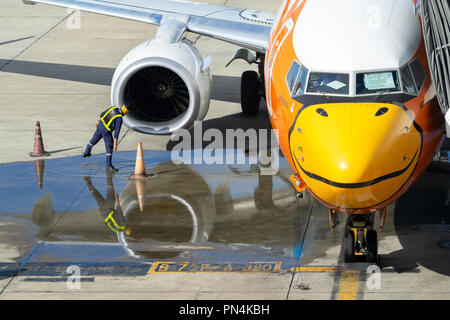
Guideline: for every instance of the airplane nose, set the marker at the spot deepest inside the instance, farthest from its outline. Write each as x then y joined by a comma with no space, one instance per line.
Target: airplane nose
355,155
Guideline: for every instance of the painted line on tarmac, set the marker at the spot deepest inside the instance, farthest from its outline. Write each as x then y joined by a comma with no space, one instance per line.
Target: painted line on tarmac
347,284
346,281
190,267
59,270
250,267
314,269
64,279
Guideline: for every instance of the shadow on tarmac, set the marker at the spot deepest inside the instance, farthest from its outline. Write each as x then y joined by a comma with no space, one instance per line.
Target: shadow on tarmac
230,122
224,88
422,225
12,41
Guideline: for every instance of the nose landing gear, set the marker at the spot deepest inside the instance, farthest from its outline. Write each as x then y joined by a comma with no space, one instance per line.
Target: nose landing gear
360,239
250,93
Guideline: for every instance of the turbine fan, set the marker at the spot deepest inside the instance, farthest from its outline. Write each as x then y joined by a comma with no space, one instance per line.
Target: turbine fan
157,94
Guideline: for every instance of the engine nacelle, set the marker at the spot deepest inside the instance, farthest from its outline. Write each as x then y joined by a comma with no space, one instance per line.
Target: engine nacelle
165,86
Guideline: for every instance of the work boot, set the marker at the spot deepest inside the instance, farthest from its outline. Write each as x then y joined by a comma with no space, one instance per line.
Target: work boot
111,169
84,155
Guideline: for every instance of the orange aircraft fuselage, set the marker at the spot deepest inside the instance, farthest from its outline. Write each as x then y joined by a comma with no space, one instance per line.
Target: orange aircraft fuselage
354,155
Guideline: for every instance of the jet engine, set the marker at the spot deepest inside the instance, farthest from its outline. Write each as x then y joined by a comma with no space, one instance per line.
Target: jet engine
165,86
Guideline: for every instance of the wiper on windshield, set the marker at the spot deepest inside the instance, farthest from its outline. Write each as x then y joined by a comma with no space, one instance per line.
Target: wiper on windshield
327,97
381,93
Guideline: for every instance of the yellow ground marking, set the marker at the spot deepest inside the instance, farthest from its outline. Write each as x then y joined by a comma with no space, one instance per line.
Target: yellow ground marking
348,282
349,285
314,269
189,267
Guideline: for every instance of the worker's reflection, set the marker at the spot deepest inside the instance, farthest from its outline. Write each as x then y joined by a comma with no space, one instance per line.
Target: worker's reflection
110,207
263,194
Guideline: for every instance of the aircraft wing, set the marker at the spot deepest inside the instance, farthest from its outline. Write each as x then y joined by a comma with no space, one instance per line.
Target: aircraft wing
244,27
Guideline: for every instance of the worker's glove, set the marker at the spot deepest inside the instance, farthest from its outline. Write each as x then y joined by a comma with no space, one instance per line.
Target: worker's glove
115,145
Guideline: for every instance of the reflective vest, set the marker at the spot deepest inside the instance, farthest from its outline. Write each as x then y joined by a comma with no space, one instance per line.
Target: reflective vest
109,116
115,227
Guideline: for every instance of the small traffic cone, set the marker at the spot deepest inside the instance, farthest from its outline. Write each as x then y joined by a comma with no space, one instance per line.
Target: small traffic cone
39,166
140,191
139,169
38,143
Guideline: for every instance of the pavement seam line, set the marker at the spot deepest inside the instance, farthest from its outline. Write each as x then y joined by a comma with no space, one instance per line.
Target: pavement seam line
65,211
36,40
20,269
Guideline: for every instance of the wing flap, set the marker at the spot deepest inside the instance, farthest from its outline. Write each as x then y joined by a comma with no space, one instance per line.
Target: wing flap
244,35
244,27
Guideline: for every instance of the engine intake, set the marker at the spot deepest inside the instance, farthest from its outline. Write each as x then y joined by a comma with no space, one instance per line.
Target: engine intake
163,85
156,94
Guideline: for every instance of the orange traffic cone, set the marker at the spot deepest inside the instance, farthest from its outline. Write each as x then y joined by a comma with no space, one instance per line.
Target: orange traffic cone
39,166
140,191
139,169
38,143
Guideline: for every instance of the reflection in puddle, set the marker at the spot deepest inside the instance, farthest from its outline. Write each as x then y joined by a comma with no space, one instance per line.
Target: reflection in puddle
177,212
67,210
109,207
183,212
39,166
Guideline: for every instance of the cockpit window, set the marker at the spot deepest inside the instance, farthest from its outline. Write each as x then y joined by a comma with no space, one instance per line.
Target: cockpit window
377,82
300,83
407,80
334,83
296,79
292,75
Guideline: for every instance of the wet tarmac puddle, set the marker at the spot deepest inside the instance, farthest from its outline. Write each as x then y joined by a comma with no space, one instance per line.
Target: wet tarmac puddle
193,218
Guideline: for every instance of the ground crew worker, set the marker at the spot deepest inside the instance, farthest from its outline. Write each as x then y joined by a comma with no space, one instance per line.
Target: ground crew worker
112,214
110,120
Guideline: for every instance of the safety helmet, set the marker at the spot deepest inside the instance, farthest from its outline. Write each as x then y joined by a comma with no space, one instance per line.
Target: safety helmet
124,110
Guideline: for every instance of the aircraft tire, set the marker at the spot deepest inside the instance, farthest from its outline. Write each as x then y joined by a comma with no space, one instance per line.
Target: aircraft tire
250,93
349,246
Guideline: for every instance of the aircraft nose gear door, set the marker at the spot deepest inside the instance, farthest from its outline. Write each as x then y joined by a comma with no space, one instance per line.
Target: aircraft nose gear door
436,31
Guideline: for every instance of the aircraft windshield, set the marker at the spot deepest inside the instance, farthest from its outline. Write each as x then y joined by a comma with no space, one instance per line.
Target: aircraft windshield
334,83
376,82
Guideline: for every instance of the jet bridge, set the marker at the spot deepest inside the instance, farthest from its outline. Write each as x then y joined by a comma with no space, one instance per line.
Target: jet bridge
436,30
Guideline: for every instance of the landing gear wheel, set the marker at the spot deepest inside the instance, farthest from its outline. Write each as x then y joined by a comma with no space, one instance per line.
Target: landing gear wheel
349,246
250,96
372,246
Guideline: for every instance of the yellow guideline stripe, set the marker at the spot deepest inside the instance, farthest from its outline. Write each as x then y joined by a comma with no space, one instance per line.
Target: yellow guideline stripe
314,269
349,285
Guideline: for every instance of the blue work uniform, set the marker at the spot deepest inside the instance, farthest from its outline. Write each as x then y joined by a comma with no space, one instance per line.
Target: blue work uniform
110,121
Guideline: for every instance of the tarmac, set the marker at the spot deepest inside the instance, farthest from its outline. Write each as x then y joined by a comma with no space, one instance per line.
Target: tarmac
204,232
